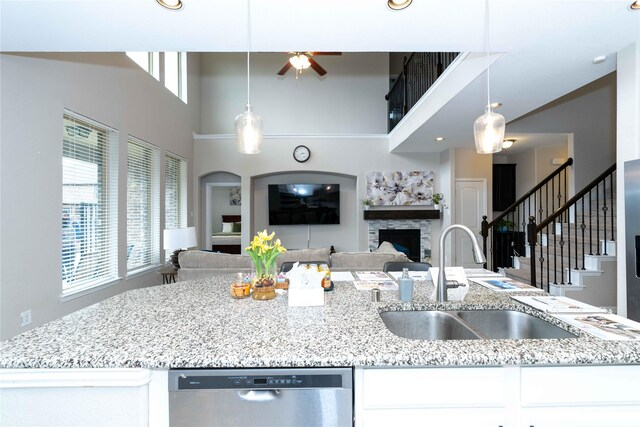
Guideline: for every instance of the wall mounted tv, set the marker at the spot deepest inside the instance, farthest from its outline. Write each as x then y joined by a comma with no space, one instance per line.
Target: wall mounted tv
291,204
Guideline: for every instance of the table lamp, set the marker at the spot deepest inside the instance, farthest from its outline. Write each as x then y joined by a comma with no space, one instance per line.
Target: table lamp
179,239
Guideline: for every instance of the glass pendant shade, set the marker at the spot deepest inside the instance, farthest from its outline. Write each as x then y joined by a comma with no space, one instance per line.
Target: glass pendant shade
488,131
248,131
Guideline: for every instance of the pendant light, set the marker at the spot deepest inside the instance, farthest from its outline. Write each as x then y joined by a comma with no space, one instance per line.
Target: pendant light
248,124
488,129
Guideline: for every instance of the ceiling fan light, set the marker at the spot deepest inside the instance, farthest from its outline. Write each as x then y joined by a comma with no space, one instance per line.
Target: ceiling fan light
304,61
398,4
488,132
170,4
248,131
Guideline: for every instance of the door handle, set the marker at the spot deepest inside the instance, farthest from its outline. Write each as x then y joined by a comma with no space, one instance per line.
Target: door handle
259,395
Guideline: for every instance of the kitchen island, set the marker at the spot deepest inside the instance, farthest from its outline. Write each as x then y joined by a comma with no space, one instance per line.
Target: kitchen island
197,324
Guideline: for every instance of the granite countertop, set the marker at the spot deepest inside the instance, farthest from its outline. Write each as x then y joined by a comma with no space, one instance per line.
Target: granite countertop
197,324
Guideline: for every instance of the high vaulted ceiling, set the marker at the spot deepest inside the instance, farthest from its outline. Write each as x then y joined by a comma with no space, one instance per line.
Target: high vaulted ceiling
543,48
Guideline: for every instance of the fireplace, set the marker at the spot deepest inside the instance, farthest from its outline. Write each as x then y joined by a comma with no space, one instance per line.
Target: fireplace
406,240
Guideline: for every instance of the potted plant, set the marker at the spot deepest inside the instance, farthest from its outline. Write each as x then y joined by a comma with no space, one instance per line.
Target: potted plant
437,198
367,203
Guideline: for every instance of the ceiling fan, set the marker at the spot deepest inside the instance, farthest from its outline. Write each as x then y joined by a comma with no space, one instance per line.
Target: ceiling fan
302,60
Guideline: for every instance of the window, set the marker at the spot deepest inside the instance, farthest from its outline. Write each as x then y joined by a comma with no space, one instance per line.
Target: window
175,193
175,73
143,205
149,61
89,204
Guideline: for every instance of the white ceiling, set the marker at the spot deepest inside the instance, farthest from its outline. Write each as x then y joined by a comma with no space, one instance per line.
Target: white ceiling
546,46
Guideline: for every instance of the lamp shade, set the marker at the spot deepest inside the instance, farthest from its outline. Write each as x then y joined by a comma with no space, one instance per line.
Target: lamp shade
180,238
488,132
248,131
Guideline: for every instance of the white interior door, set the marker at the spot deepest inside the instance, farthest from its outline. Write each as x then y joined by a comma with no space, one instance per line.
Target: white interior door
471,204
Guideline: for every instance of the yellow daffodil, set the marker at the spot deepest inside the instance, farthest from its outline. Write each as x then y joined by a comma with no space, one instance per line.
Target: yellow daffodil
264,254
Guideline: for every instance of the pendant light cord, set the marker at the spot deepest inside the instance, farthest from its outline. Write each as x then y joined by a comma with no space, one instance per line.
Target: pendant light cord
248,45
486,38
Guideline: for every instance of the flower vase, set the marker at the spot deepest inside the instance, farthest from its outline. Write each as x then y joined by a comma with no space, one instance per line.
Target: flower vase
436,206
264,282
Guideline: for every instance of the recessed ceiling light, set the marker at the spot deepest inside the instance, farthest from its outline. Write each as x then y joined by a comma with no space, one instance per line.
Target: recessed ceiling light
495,105
506,143
170,4
440,138
635,5
398,4
599,59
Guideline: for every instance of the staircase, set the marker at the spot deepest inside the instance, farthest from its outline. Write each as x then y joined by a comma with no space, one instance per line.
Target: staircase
574,247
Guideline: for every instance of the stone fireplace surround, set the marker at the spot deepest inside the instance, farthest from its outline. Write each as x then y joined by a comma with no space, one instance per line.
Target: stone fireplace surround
424,225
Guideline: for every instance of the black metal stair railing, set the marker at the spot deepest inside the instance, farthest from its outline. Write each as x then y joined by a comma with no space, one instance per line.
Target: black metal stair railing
419,72
586,220
506,235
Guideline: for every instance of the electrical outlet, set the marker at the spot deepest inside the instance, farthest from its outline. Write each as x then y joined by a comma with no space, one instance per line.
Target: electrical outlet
26,317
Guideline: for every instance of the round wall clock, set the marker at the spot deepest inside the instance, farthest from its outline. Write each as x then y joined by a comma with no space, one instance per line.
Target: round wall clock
301,153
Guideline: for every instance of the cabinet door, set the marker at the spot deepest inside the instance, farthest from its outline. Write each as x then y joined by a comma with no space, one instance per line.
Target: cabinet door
451,417
618,416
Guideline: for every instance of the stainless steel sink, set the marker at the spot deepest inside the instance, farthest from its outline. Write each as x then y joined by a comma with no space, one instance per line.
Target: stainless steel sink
470,324
510,324
427,325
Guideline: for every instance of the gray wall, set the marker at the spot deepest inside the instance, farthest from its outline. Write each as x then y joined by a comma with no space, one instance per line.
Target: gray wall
330,156
343,236
590,114
220,206
36,88
348,99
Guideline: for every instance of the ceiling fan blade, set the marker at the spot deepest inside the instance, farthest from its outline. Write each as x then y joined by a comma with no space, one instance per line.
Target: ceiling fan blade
324,53
284,69
318,69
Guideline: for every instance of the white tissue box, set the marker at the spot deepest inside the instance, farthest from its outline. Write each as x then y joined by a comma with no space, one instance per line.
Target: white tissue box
306,297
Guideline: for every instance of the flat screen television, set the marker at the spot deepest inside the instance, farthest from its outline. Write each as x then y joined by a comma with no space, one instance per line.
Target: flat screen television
291,204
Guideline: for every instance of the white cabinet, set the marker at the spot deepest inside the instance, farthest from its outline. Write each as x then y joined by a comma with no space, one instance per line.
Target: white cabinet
580,396
83,397
569,396
432,396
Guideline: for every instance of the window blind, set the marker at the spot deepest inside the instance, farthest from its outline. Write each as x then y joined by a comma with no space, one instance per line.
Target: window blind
175,197
143,205
89,203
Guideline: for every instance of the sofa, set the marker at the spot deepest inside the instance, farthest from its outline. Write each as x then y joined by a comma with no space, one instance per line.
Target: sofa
196,264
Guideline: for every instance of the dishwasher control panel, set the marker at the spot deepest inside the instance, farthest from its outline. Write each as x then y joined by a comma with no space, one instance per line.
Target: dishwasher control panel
213,382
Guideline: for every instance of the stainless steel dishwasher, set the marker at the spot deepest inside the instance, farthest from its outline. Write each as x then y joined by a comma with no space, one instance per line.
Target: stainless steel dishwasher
261,397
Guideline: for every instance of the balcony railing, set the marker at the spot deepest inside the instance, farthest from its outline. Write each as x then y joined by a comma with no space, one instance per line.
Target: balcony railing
419,72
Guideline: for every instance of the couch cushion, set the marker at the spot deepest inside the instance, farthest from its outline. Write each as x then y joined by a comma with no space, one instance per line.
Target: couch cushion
320,254
200,259
354,261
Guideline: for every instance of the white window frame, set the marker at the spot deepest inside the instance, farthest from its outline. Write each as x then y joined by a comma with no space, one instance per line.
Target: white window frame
89,255
143,240
148,61
175,194
178,86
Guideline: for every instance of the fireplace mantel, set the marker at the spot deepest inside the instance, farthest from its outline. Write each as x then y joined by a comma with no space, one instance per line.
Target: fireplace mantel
401,214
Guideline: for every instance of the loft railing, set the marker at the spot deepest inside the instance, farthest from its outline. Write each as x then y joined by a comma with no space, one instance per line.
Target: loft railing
419,72
505,236
590,213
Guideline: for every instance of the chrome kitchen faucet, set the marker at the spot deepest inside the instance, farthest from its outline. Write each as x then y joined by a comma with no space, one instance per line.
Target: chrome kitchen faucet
478,255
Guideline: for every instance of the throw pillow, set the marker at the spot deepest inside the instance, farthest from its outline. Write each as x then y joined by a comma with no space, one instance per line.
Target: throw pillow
237,227
227,227
386,248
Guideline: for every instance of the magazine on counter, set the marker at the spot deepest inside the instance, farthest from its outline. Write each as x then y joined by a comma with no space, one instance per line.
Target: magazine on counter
372,276
504,284
366,285
367,280
604,325
558,304
480,272
417,275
